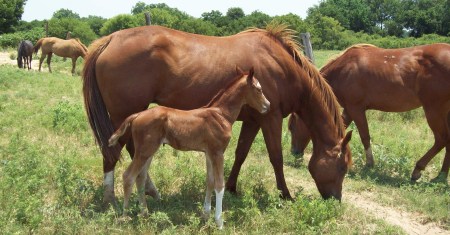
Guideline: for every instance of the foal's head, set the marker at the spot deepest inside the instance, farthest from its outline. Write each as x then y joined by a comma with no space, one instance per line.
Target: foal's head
254,96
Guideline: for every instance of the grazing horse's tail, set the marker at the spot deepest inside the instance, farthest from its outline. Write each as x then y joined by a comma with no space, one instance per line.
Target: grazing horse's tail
122,129
38,45
95,108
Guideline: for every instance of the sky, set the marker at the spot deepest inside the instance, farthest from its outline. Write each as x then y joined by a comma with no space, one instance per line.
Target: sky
44,9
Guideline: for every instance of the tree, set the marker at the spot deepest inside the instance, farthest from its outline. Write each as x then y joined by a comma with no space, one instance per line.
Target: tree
95,23
10,14
78,29
65,13
235,13
119,22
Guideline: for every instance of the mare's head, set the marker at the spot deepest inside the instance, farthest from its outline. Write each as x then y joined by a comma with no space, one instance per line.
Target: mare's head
254,96
329,167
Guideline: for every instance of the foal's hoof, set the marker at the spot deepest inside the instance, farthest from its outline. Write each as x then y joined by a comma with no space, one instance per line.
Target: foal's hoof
219,223
441,178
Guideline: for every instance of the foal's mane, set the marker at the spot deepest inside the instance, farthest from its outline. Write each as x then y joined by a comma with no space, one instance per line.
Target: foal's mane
287,37
225,89
335,58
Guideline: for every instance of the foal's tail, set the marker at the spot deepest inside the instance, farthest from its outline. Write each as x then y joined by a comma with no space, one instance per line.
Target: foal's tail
38,45
95,108
122,130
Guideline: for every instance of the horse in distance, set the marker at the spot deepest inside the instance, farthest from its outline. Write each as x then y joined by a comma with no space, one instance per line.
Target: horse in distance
206,129
391,80
71,48
25,54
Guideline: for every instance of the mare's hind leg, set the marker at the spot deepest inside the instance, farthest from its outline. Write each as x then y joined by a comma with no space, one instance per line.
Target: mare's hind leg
359,117
437,120
150,188
41,60
49,59
246,137
30,58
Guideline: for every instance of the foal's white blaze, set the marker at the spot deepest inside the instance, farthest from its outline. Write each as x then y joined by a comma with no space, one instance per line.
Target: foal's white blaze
218,214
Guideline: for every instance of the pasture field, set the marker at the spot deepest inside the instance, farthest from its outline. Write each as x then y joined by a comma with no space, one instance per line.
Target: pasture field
51,175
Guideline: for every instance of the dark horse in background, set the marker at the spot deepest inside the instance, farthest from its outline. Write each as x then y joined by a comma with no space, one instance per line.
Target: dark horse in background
129,69
392,80
25,54
71,48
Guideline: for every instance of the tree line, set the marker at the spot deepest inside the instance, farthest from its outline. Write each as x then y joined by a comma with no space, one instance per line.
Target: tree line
333,24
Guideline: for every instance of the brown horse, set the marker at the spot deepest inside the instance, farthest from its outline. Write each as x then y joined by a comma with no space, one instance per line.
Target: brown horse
392,80
129,69
71,48
25,54
207,129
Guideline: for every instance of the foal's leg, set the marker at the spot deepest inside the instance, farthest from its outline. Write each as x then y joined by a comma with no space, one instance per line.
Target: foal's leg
360,119
437,122
217,166
209,187
140,186
150,188
49,59
246,137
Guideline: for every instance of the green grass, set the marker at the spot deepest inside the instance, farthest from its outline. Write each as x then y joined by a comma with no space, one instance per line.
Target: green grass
51,173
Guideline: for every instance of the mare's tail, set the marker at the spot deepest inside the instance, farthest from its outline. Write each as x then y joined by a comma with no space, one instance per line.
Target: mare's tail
95,108
122,129
38,45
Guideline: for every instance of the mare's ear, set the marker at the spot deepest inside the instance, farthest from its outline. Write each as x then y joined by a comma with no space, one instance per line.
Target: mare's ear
251,72
346,139
239,70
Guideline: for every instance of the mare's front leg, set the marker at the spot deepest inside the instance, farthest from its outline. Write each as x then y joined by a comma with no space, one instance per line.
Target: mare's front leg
271,128
359,116
150,188
246,138
74,63
437,120
49,59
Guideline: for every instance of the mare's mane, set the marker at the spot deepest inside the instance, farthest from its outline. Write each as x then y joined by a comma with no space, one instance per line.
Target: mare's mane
335,58
287,38
225,89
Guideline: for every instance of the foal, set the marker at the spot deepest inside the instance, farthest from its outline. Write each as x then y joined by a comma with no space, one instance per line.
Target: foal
207,129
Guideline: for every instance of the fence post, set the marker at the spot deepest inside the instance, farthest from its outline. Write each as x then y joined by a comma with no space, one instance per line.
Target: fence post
46,28
306,38
147,18
68,35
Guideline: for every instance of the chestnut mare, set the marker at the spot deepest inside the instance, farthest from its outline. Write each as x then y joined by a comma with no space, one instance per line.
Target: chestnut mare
207,129
25,54
71,48
129,69
392,80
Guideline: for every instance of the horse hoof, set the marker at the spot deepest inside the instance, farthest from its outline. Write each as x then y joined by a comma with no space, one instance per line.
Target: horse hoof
415,175
124,219
206,215
231,189
370,164
219,223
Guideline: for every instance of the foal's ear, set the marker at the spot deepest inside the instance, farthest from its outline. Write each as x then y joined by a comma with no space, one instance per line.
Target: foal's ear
251,72
239,70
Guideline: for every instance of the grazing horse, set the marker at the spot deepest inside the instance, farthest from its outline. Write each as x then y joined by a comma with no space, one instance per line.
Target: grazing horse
72,48
392,80
207,129
25,54
126,71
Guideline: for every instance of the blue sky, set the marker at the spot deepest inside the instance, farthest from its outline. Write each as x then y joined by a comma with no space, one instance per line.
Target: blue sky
44,9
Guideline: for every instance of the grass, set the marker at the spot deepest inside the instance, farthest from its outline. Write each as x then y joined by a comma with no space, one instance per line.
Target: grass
51,173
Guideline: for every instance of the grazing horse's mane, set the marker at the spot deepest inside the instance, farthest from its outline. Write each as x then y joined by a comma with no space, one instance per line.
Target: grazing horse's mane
287,37
223,90
81,45
334,58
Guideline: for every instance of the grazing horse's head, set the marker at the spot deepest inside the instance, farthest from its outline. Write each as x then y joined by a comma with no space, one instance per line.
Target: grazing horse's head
254,96
328,169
